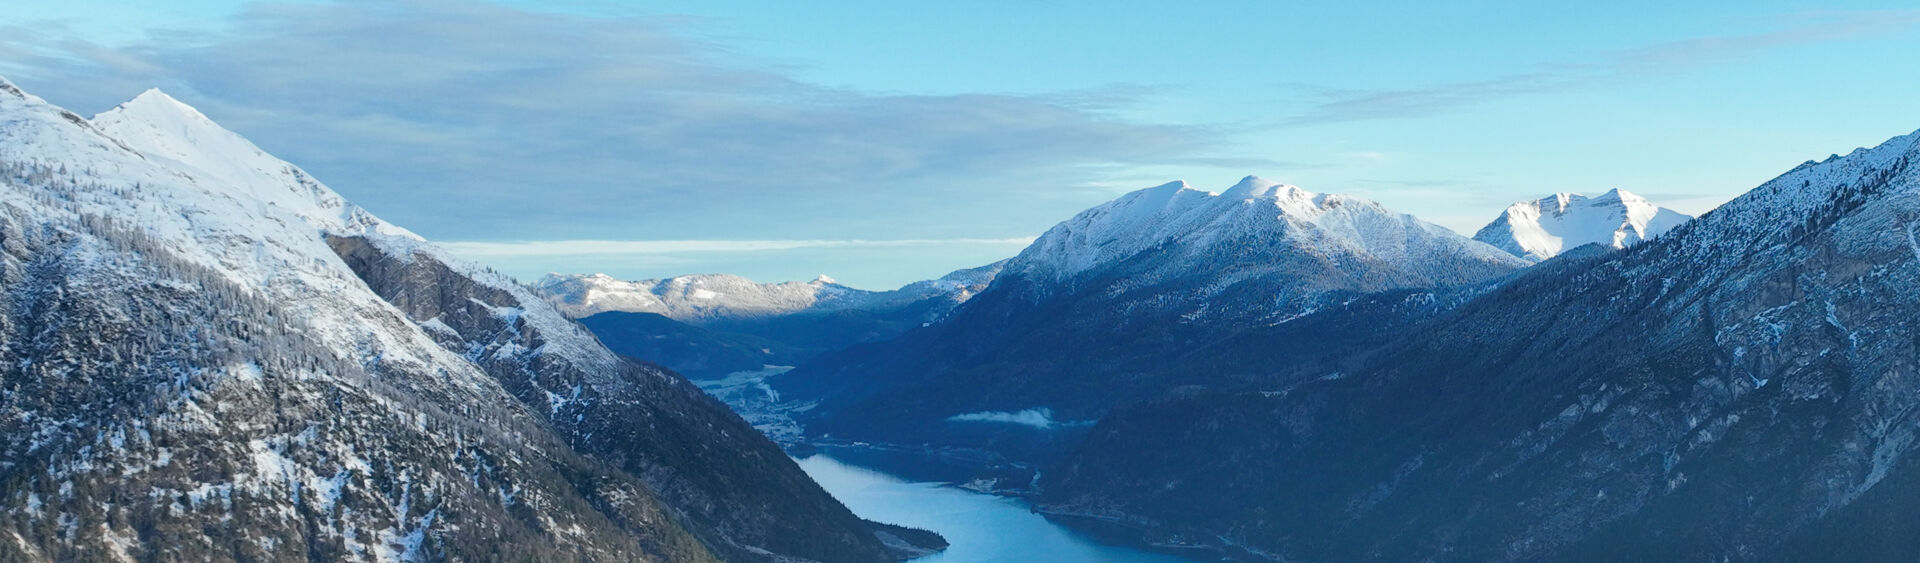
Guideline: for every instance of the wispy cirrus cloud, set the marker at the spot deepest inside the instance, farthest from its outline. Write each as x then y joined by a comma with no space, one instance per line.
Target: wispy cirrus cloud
1344,105
469,120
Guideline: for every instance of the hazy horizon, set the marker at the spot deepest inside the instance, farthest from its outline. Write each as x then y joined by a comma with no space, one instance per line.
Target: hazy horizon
962,127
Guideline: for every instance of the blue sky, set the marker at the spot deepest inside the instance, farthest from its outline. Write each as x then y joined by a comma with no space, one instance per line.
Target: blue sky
884,142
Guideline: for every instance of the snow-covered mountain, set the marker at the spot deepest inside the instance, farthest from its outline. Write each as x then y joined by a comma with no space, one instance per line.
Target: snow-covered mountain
698,298
1093,312
1538,230
207,354
1255,230
1748,379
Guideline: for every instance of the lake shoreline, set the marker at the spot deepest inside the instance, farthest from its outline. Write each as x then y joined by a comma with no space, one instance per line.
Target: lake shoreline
964,470
911,479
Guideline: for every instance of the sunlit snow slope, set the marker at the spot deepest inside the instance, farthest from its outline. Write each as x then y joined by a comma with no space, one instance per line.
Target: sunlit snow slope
1541,229
207,354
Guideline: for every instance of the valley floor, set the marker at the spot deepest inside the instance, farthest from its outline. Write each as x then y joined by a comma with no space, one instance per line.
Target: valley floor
977,500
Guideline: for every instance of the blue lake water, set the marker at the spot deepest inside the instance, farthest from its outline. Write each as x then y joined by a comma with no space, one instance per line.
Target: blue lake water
980,527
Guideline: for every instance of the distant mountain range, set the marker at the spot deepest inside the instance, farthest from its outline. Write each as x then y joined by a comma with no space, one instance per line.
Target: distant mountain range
1277,374
711,325
1092,315
206,354
720,296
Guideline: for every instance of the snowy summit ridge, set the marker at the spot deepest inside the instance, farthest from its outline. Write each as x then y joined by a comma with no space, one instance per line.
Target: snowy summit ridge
1540,229
1190,230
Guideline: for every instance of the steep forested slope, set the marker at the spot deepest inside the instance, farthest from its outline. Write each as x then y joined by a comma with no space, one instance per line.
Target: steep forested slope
1739,388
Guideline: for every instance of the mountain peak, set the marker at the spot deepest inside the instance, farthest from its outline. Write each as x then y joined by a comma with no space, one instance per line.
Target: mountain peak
1622,196
1252,182
156,123
1252,187
1540,229
220,161
1174,186
1190,227
155,105
155,96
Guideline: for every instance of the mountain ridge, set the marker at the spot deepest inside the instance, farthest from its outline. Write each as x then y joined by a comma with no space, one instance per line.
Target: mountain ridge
1742,378
249,366
1253,209
1087,316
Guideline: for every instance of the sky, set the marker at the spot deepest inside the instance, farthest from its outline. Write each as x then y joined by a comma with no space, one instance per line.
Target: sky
885,142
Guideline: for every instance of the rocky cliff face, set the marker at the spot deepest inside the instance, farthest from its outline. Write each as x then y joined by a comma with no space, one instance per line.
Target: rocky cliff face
207,355
1739,388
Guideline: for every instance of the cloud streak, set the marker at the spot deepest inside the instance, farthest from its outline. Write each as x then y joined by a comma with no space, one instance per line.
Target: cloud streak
467,120
1339,106
1039,418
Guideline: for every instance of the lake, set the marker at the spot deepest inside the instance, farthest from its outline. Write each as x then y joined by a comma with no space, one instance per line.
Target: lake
980,527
